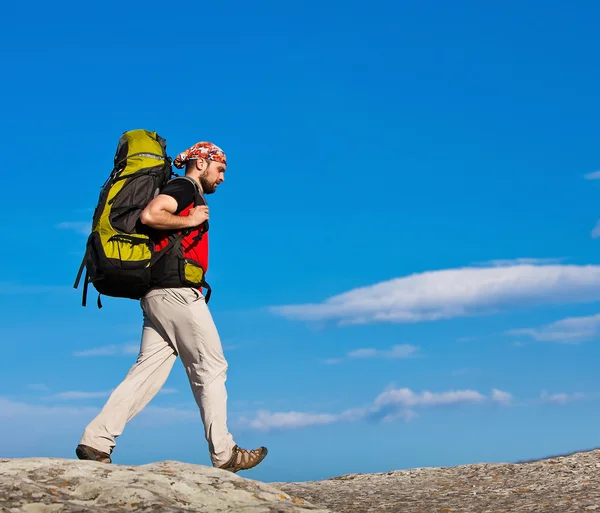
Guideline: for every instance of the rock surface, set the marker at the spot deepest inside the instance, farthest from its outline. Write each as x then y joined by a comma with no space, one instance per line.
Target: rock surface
568,483
562,484
52,485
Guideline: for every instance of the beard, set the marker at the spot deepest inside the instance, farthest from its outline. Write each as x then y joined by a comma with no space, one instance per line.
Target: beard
207,186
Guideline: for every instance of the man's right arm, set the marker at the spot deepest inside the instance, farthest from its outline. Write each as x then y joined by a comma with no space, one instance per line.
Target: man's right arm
159,214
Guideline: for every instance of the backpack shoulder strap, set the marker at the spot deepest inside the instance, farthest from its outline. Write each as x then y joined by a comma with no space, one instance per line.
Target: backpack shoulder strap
199,199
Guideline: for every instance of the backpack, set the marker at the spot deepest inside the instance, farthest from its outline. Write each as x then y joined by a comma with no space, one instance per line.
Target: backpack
120,251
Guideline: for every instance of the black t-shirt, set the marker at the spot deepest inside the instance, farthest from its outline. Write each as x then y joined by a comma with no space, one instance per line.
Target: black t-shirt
183,191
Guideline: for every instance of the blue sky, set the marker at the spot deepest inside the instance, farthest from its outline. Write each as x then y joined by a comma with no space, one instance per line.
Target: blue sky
404,255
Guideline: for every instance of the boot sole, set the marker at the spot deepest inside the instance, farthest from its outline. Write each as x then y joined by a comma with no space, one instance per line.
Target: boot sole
87,453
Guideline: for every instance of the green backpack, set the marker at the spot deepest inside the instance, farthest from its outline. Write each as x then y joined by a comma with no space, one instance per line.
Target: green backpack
119,251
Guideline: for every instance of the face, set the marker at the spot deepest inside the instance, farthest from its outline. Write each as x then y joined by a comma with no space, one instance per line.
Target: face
212,176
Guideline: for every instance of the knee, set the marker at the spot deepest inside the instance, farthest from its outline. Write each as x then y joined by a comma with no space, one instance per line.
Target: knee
219,365
206,375
220,372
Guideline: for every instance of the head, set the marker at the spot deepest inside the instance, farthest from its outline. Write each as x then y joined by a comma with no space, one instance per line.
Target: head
207,172
206,163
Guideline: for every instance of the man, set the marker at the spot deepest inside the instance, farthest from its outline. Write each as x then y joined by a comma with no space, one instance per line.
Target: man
177,321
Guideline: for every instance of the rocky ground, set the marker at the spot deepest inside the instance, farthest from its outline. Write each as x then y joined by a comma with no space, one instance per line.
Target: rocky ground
50,485
568,483
562,484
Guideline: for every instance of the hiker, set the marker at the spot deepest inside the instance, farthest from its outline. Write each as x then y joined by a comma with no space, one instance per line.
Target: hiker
177,322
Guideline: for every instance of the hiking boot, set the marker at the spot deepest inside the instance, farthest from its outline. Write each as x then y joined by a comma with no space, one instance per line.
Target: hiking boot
243,459
85,452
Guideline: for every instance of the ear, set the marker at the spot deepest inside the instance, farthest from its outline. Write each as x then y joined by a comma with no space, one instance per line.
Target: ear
201,164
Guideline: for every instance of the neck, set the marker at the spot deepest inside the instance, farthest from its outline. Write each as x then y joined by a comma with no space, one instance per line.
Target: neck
196,179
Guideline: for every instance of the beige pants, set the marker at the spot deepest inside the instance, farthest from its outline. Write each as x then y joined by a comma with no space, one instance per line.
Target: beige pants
176,322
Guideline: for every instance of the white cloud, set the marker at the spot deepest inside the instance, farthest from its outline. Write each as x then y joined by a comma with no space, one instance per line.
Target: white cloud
333,361
75,394
79,395
16,409
266,420
571,330
405,397
501,397
39,412
168,391
595,175
392,404
80,227
560,398
596,230
364,353
519,261
404,415
453,293
166,414
397,351
111,350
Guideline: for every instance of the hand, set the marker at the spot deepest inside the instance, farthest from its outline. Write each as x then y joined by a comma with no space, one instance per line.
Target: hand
198,215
